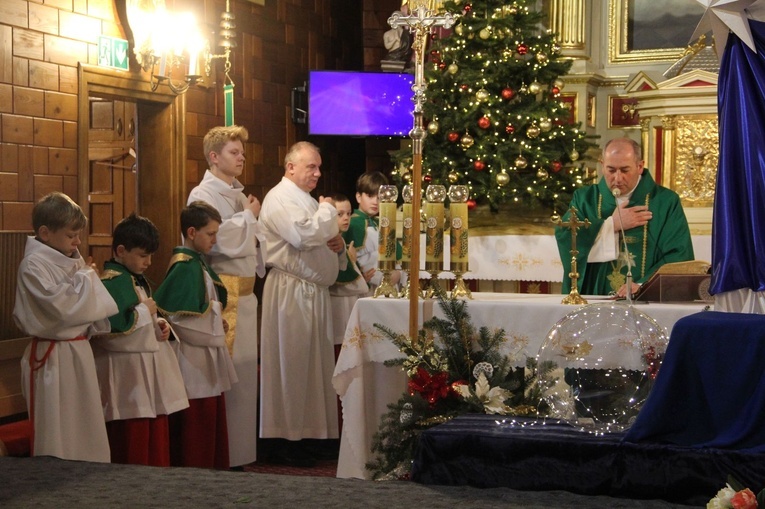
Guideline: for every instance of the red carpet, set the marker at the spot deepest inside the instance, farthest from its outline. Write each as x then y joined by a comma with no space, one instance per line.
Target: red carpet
322,469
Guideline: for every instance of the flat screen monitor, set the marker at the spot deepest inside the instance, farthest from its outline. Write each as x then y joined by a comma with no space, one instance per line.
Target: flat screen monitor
360,103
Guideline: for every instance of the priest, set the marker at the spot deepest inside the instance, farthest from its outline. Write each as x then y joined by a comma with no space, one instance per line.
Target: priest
626,209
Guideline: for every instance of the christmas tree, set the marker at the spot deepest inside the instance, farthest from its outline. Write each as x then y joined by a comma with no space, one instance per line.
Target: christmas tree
494,117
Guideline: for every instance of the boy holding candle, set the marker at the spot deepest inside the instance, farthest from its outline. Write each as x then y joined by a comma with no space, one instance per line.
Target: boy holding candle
363,230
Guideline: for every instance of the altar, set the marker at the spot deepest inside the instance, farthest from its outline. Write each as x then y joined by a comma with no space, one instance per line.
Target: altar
366,386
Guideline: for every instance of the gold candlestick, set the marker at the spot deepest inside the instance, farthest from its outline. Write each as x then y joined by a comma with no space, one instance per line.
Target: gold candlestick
458,239
434,236
573,224
386,252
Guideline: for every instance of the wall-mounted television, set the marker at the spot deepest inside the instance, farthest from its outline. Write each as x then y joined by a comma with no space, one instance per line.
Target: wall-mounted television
360,103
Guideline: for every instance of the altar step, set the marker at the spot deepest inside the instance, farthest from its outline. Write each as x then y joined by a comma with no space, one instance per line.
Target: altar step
491,451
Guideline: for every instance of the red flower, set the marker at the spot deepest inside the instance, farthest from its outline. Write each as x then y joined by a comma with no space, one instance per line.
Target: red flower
744,499
431,387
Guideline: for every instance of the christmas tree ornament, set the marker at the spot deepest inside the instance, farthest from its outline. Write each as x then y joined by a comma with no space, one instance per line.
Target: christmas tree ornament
524,89
509,128
453,177
502,178
432,127
464,87
545,125
441,66
535,88
453,68
482,95
542,174
467,9
507,93
521,162
453,136
555,48
574,155
532,131
458,30
555,91
556,166
485,33
541,58
471,203
510,10
522,49
467,141
558,83
484,123
427,178
479,165
407,177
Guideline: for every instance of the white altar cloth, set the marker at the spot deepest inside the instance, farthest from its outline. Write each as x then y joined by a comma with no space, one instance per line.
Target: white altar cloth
366,386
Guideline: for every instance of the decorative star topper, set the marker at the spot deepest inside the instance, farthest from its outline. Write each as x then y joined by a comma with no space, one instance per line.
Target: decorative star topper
724,15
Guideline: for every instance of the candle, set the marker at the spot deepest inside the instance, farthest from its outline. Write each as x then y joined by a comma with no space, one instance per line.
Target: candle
406,236
387,233
193,59
459,233
458,236
434,233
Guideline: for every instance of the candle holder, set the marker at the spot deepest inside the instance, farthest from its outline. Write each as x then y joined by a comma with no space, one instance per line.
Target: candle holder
458,239
386,252
434,237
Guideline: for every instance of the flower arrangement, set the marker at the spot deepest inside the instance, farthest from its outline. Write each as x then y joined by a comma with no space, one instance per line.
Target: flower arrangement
735,496
453,370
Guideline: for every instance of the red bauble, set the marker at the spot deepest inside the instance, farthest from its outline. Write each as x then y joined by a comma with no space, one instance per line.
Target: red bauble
442,66
555,91
479,166
427,178
509,129
467,8
556,166
471,204
463,87
433,36
453,136
508,93
523,49
484,123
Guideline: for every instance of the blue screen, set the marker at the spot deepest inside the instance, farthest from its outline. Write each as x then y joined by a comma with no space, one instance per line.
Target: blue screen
360,103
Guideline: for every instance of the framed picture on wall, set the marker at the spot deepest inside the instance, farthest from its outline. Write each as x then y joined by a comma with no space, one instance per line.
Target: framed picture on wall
647,30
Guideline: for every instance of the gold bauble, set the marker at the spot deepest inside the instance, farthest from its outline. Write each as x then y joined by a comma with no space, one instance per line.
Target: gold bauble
557,82
542,174
482,95
458,29
574,155
433,127
532,131
535,88
502,178
485,33
453,68
407,177
541,58
453,177
521,162
545,125
555,217
466,141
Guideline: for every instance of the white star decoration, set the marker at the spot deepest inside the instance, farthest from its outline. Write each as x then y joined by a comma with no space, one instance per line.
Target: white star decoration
724,15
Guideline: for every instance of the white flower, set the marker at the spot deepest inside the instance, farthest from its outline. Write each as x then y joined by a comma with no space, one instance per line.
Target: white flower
722,499
493,398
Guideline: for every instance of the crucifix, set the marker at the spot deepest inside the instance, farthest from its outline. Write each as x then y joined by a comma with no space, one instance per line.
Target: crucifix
573,224
420,22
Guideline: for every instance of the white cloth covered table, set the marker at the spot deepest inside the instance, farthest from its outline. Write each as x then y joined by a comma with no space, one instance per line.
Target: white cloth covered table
366,386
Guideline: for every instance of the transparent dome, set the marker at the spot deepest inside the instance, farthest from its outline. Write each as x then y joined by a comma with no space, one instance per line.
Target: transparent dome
597,365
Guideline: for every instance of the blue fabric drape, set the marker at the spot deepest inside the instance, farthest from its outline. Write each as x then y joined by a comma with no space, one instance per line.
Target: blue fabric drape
738,237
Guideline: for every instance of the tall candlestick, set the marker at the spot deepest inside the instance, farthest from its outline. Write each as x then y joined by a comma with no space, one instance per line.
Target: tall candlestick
386,250
458,238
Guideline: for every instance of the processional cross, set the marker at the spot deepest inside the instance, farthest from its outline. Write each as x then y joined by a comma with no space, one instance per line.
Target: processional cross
420,22
573,224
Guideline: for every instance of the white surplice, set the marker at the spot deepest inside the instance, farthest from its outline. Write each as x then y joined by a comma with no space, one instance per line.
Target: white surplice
297,360
236,253
60,298
138,373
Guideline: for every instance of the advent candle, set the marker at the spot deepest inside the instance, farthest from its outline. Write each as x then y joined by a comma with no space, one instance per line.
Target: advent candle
434,233
458,237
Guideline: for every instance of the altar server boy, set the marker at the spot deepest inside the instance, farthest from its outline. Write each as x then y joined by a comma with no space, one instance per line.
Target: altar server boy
193,297
137,369
61,303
